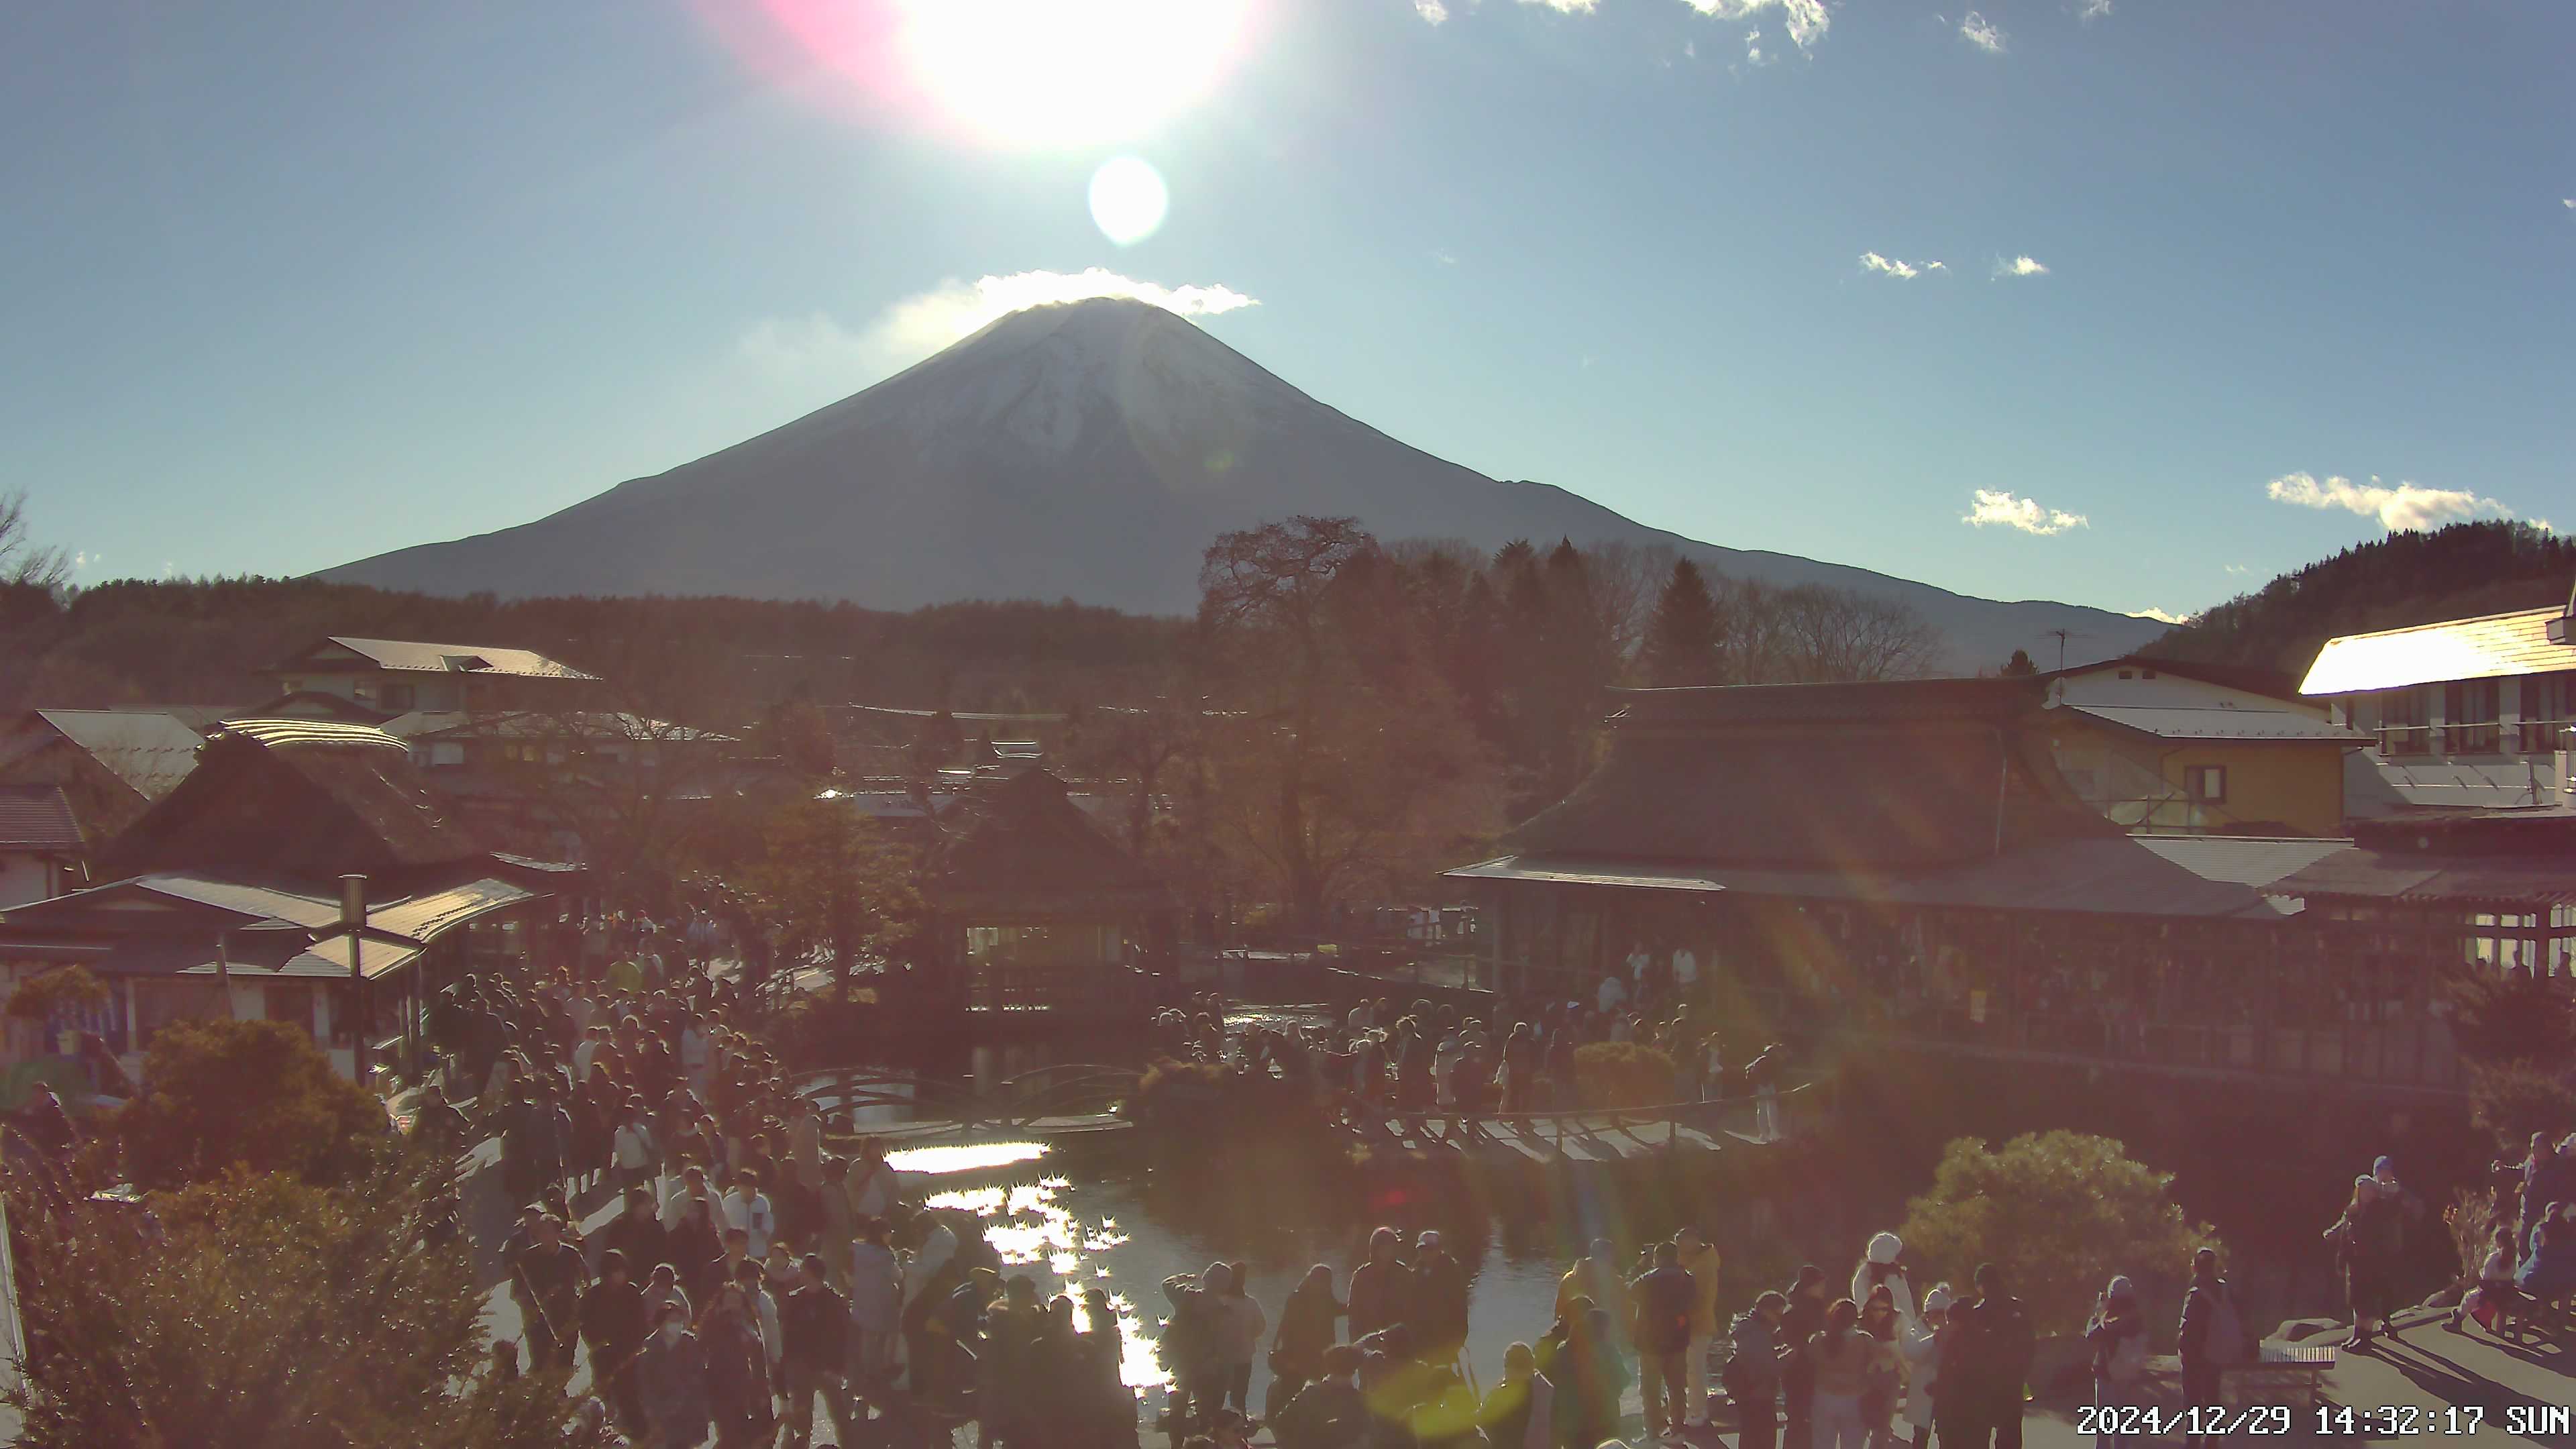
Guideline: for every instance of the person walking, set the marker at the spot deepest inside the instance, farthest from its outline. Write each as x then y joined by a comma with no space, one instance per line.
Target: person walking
614,1320
1698,1257
671,1379
1438,1315
1663,1299
1841,1357
547,1278
1999,1348
1803,1321
1239,1324
2213,1336
1381,1288
876,1306
1306,1329
1882,1267
2117,1337
815,1323
1921,1350
1752,1374
737,1369
2366,1241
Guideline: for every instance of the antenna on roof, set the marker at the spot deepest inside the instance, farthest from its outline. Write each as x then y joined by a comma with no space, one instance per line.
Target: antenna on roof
2061,636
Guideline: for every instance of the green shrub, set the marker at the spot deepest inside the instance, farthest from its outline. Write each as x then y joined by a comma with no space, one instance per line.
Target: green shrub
1623,1074
221,1095
2059,1213
2516,1099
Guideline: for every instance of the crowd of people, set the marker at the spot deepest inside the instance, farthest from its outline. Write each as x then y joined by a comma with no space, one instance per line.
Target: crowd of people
1428,1059
2530,1263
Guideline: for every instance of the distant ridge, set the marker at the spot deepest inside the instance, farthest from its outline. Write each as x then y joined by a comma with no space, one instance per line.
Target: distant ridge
1087,451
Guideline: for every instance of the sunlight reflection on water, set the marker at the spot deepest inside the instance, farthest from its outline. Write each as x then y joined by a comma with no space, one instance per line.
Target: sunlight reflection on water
1029,1226
964,1157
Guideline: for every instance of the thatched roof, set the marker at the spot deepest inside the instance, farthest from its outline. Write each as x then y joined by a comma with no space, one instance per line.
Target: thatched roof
1020,845
299,797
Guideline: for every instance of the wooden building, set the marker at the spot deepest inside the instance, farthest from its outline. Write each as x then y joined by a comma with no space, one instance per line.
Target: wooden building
226,898
1907,858
1034,907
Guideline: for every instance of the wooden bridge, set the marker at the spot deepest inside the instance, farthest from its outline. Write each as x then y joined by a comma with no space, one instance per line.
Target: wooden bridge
1050,1104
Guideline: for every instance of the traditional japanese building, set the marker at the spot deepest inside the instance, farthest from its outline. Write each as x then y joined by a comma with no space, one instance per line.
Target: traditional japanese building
1035,907
229,898
1908,859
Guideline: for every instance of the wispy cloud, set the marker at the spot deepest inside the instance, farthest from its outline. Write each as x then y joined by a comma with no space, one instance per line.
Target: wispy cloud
1901,270
2019,267
84,561
2238,570
1982,33
1567,7
2161,616
2091,10
1995,507
1805,20
1431,11
1445,257
921,324
2407,506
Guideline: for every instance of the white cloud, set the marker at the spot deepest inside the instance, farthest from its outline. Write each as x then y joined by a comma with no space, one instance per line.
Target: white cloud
1901,270
1806,20
921,324
2020,267
2568,201
1982,33
1432,11
2239,570
85,561
2404,507
1445,258
1994,506
1567,7
2090,10
2161,616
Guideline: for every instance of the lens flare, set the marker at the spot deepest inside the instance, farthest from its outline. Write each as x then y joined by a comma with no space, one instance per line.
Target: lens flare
1128,200
1025,74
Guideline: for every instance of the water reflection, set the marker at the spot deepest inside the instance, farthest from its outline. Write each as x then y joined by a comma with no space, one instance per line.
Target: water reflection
963,1157
1033,1229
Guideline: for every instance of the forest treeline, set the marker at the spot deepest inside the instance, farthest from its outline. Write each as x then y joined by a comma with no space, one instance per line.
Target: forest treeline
2458,572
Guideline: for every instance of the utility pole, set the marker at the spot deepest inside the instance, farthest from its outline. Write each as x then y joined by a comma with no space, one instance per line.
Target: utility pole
353,919
2060,635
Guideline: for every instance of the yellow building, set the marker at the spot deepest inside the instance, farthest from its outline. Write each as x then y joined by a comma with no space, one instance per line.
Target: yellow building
2174,748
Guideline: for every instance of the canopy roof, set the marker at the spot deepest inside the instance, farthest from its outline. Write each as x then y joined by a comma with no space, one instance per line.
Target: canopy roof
340,652
1026,848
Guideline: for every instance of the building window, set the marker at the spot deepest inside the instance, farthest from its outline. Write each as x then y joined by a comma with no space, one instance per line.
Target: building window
444,755
2401,723
2545,711
2469,717
398,696
2208,783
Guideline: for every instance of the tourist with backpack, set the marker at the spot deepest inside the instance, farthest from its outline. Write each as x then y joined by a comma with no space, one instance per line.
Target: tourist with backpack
2117,1335
1662,1300
2213,1337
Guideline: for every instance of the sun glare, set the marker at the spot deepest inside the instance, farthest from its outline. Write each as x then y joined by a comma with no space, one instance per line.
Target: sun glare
1128,200
1067,72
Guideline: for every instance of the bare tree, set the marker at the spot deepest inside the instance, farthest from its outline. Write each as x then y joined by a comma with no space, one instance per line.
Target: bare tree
1626,579
24,563
1813,634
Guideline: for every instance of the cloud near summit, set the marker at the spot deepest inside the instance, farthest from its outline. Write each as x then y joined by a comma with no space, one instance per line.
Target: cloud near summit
2408,506
914,327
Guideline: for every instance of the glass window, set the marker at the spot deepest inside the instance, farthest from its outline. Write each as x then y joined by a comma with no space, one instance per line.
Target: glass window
2469,717
2208,782
2545,711
2401,723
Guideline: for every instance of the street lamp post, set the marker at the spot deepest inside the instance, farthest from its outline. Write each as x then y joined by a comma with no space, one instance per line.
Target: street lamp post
353,919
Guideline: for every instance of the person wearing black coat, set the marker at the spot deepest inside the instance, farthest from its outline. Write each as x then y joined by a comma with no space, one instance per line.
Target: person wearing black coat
1306,1329
614,1323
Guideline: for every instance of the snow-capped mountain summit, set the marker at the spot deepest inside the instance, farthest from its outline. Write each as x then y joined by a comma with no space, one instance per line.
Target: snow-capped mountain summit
1088,450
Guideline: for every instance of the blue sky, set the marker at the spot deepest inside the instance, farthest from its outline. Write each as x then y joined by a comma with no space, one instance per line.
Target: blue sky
295,283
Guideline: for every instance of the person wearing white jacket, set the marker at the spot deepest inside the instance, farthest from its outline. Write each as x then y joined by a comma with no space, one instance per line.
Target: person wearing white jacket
747,1207
1920,1343
1881,1268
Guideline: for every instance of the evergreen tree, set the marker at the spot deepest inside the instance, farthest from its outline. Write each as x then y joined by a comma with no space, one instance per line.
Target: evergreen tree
1681,645
2019,666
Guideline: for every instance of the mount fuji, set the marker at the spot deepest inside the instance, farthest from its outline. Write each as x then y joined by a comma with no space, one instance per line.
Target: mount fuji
1088,450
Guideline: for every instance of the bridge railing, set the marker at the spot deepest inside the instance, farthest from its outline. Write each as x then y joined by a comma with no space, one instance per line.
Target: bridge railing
1800,1101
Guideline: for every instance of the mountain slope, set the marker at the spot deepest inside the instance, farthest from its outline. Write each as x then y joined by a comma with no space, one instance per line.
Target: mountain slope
1086,451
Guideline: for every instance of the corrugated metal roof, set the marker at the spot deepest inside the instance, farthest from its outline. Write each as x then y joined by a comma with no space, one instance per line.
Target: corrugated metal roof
313,732
150,751
2183,722
2496,646
2376,784
2192,876
37,818
257,902
424,916
532,724
417,656
2386,875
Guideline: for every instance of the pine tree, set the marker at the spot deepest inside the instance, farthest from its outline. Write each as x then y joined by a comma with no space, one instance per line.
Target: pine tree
1681,645
2019,666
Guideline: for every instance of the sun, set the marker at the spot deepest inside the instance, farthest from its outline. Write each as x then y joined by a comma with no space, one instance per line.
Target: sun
1066,73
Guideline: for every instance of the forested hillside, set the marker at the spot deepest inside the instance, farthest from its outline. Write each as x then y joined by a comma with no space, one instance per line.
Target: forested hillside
719,661
2457,572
